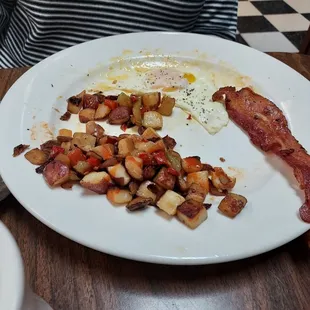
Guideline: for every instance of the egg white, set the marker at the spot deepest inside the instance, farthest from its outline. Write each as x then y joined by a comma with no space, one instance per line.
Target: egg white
191,84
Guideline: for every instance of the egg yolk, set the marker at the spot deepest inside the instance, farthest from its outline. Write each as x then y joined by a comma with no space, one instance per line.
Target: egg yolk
190,77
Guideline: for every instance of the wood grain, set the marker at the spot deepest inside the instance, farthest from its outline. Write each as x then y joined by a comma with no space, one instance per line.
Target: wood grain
71,276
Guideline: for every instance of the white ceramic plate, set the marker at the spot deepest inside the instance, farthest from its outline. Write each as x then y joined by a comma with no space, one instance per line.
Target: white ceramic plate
269,220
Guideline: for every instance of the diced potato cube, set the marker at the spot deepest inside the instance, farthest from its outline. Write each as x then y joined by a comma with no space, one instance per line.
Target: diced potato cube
232,204
134,166
170,201
102,112
150,133
149,146
143,191
191,164
36,156
97,182
197,193
87,115
56,173
119,196
75,103
200,178
94,129
151,100
125,146
221,180
65,132
83,140
64,159
192,213
166,106
165,179
152,119
124,100
106,151
66,146
119,174
82,167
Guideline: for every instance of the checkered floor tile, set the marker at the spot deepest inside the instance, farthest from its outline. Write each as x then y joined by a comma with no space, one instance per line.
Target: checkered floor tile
273,25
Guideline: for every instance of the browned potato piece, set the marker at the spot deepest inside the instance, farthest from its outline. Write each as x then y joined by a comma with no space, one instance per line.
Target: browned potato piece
64,139
82,167
65,132
197,193
64,159
108,163
151,100
124,100
165,179
138,203
36,156
133,187
152,119
150,134
148,172
119,174
181,184
56,173
216,192
221,180
94,129
83,141
97,182
75,103
119,196
144,192
149,146
192,213
200,177
87,115
125,146
191,164
102,112
66,146
166,106
119,116
134,167
73,176
106,151
232,204
136,113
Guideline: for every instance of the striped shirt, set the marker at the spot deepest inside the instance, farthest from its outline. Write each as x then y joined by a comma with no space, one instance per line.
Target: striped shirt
31,30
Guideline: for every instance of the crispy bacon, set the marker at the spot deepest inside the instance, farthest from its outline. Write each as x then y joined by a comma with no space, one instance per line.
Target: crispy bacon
20,149
268,129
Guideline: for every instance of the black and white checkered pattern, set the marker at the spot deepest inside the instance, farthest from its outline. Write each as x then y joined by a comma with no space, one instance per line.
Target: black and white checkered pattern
273,25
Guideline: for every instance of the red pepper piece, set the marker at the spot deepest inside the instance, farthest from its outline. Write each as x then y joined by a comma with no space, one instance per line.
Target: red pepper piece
112,104
172,171
147,159
133,98
124,127
161,158
56,150
93,161
75,156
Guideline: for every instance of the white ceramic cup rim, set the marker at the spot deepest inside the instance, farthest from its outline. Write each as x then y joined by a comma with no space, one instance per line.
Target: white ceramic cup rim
12,279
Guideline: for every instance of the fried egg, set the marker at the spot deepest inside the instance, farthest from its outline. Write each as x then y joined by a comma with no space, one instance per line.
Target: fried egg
192,86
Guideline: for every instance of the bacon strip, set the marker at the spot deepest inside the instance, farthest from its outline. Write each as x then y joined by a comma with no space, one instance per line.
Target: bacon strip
268,129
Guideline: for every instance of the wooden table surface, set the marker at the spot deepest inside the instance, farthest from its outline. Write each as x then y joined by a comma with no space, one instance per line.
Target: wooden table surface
70,276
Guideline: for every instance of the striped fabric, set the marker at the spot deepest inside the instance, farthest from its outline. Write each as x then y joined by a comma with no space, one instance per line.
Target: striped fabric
31,30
